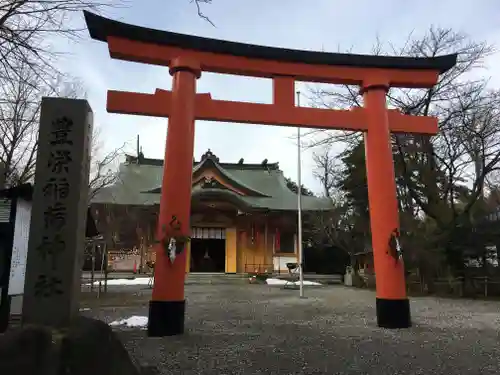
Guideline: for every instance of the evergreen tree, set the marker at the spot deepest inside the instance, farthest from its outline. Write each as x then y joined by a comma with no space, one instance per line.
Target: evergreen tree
353,184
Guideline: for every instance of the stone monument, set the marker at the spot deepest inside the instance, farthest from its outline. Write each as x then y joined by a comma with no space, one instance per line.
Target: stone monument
60,198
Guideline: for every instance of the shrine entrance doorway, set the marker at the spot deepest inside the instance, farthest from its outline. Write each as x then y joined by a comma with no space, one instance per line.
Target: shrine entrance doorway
207,250
208,255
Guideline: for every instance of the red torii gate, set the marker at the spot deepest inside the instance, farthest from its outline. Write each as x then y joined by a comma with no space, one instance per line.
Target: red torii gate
187,56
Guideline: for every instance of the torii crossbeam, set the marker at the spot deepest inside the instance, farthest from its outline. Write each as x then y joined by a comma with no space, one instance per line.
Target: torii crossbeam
188,56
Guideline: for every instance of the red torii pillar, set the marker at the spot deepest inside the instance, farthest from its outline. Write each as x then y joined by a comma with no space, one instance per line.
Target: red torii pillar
392,304
167,306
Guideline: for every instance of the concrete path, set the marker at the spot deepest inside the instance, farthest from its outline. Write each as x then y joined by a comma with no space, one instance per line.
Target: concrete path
257,329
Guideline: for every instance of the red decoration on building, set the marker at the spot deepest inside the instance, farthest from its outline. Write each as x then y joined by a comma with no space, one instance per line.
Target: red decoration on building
277,242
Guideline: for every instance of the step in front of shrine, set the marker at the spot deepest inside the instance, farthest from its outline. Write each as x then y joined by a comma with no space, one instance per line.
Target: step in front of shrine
238,278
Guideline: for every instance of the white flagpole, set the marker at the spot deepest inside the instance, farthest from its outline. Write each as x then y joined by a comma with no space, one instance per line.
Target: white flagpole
299,204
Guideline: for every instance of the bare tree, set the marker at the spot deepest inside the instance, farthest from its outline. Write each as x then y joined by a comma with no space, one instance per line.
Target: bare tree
202,15
103,168
327,171
442,181
492,181
19,118
19,126
464,152
337,227
26,25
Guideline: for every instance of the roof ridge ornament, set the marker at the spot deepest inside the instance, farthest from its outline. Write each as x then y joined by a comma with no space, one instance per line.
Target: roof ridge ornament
209,155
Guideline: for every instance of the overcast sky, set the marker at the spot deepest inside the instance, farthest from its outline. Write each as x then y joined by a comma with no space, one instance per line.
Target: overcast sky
327,25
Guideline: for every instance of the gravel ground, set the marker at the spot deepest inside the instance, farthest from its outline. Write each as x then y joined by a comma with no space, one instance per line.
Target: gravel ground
243,329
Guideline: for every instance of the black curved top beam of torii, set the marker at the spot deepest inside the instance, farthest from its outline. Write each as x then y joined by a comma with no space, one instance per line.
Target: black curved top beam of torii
101,28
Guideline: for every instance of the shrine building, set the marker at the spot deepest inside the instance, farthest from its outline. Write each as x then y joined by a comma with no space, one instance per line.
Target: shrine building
243,216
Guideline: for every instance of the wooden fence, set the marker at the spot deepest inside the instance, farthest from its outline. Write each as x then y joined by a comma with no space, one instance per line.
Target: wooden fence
469,287
480,286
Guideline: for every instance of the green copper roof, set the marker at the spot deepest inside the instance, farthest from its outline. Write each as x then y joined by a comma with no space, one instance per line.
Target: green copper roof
139,183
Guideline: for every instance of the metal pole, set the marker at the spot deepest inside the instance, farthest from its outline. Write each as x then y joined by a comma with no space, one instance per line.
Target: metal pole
103,255
92,274
299,204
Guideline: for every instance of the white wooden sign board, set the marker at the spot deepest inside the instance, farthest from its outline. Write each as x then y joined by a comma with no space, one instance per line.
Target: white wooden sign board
20,248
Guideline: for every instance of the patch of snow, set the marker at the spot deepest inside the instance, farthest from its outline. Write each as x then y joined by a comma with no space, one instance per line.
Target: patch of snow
136,281
84,309
133,321
283,282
